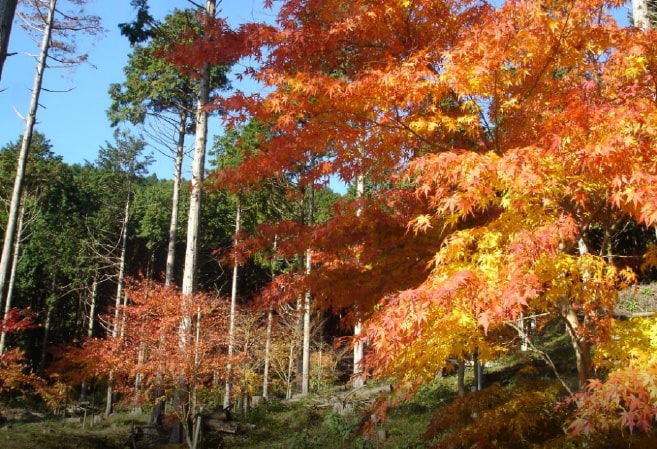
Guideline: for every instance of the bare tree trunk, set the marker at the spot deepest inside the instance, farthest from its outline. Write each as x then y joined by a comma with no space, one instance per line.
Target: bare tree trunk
7,11
578,339
359,346
90,326
265,377
233,301
10,231
194,219
580,343
290,368
198,167
92,306
270,319
640,14
117,327
305,378
12,276
175,200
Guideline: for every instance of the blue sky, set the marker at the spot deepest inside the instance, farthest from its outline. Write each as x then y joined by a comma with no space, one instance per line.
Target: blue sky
75,122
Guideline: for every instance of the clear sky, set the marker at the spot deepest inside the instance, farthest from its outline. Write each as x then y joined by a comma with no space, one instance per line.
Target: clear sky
75,121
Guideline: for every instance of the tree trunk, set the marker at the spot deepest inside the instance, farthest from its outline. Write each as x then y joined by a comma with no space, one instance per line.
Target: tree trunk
265,377
580,344
198,167
194,218
12,276
233,301
359,346
7,11
290,368
46,330
460,377
10,230
92,306
640,14
270,319
175,200
90,327
117,329
305,378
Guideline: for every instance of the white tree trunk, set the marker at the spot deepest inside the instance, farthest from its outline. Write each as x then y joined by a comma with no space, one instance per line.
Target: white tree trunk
90,327
640,14
175,200
290,368
117,328
119,324
198,167
10,230
305,378
270,319
233,302
359,347
194,219
92,307
12,276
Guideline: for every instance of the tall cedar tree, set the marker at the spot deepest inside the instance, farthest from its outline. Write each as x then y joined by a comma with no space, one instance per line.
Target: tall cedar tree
155,88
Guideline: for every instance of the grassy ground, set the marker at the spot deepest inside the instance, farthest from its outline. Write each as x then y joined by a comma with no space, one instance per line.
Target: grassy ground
55,433
314,421
304,423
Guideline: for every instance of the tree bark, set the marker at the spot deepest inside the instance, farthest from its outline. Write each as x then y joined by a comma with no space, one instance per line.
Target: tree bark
305,377
10,230
90,326
640,14
359,346
7,12
50,305
12,277
233,303
175,200
579,342
265,376
198,167
117,329
194,218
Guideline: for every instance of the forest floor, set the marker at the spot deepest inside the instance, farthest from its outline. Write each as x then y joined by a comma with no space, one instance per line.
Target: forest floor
329,420
317,421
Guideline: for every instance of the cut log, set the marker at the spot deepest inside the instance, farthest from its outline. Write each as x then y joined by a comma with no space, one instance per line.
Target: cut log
218,425
218,414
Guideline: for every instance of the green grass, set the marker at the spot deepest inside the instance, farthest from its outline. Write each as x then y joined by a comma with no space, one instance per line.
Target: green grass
311,422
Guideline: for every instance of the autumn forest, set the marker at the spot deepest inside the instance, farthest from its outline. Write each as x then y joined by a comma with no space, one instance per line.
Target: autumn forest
499,164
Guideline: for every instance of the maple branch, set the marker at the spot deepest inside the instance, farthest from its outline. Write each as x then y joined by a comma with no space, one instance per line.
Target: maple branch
554,51
544,355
